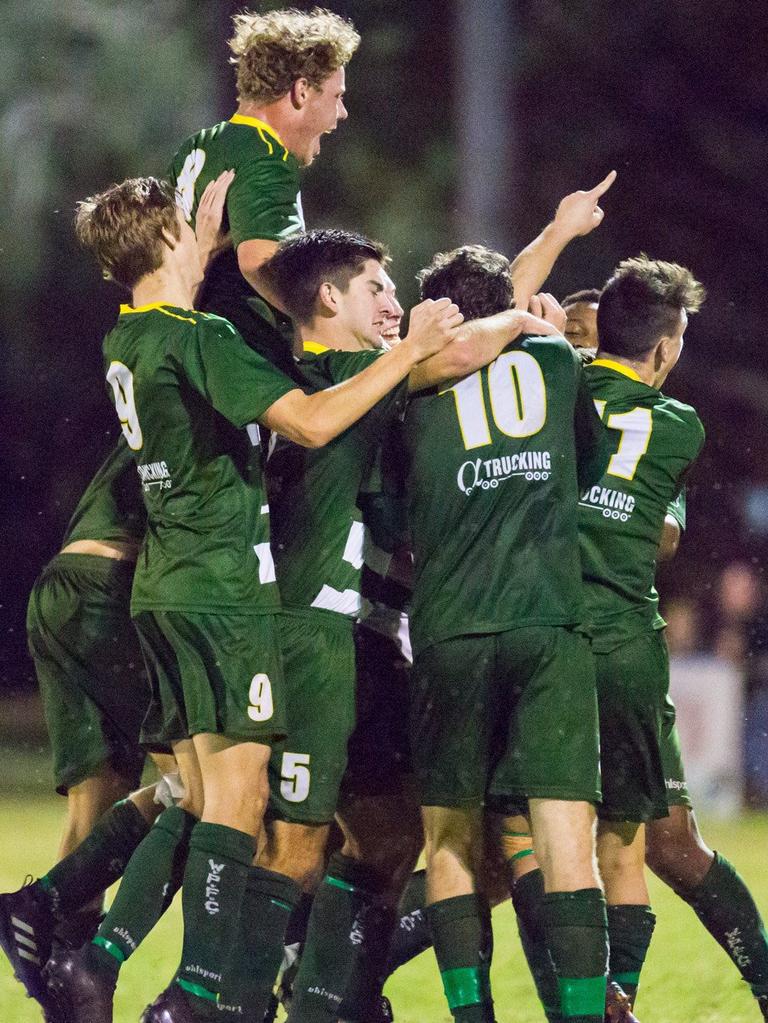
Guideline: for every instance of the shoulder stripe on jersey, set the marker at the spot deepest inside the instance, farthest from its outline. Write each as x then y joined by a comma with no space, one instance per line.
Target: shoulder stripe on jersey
618,367
263,129
315,348
159,307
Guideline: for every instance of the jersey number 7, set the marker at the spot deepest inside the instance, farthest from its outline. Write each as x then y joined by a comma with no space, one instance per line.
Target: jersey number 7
635,427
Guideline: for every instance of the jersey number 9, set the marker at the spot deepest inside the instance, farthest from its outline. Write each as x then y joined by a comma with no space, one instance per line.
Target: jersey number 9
121,379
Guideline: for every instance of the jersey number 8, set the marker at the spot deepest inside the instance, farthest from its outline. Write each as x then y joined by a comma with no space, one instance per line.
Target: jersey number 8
121,379
517,394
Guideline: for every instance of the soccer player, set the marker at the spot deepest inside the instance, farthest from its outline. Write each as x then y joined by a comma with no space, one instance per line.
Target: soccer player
290,84
95,694
504,701
643,774
185,388
336,286
581,312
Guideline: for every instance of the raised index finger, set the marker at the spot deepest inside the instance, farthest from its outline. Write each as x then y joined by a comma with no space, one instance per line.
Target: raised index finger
604,185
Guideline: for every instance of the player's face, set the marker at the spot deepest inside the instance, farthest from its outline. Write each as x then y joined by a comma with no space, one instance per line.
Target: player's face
322,113
581,324
369,308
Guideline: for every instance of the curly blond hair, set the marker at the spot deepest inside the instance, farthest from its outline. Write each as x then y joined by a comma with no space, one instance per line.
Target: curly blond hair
271,51
123,227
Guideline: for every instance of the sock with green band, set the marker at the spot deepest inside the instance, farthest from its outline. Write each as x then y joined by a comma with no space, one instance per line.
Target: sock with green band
577,936
629,933
412,936
344,962
98,861
527,898
463,941
215,879
152,878
725,906
250,974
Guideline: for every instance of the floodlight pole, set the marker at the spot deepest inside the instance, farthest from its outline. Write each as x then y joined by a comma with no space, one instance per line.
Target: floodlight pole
484,45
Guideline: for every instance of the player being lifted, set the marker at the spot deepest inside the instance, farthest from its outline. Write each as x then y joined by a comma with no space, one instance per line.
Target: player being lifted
290,84
186,387
504,702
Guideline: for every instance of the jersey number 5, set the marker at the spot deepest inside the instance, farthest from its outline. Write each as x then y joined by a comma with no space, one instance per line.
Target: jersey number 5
121,379
635,427
517,394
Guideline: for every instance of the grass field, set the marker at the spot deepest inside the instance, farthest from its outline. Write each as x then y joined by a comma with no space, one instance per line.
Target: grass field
687,976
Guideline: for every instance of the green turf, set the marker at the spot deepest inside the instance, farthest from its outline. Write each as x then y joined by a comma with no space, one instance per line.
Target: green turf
687,976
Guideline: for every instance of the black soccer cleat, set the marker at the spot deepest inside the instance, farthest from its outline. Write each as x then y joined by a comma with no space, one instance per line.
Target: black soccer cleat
618,1005
26,934
172,1006
762,1002
83,988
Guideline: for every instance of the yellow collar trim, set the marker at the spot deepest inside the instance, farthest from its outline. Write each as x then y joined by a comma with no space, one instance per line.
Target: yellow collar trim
618,367
315,348
161,307
254,122
125,308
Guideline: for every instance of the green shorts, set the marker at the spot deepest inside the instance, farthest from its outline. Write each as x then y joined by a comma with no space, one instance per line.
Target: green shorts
672,758
211,672
500,717
632,684
89,666
306,767
378,751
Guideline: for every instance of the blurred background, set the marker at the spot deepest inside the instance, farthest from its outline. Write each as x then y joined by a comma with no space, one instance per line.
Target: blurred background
468,121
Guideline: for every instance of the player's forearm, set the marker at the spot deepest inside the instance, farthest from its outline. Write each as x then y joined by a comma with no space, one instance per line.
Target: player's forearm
480,343
670,539
314,420
251,256
534,264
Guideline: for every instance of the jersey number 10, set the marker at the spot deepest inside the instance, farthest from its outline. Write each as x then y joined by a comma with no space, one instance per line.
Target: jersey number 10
517,395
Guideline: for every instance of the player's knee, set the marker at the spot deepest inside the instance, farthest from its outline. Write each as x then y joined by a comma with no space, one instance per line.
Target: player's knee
676,852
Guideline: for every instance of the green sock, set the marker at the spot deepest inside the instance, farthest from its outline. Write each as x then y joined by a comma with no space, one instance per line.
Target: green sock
344,961
214,884
411,936
152,878
257,953
463,941
527,898
577,937
629,934
98,861
725,906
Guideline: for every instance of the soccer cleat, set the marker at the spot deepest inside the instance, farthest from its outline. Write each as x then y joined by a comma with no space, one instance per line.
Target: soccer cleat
762,1002
172,1006
83,989
26,934
618,1007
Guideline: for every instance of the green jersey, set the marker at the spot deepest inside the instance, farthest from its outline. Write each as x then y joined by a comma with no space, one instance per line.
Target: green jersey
111,507
654,440
317,531
495,465
263,202
187,390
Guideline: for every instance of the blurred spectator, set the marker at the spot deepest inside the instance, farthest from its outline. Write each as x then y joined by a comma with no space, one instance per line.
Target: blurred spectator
683,627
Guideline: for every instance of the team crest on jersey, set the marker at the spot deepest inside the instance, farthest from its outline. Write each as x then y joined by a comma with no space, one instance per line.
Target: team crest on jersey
488,473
